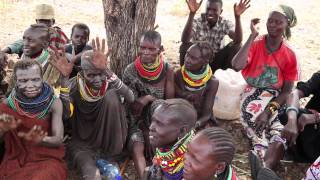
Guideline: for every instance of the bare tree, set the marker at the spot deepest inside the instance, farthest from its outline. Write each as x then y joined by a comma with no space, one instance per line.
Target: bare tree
125,21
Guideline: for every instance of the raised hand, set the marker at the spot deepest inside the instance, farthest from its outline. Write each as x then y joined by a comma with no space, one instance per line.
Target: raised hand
100,54
193,5
241,7
35,134
61,63
253,26
8,122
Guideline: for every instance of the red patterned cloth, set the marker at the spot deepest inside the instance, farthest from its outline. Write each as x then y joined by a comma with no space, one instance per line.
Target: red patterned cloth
24,160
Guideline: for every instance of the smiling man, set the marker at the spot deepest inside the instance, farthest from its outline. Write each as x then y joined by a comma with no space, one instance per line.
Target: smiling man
212,27
35,47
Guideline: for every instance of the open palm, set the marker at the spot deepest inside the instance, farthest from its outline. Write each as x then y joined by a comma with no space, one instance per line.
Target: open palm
100,54
193,5
61,63
241,7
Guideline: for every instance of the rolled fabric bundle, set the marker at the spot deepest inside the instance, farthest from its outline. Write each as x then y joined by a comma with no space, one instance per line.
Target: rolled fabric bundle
227,100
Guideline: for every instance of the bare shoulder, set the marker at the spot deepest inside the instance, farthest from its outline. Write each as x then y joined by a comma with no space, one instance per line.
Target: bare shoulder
213,83
56,105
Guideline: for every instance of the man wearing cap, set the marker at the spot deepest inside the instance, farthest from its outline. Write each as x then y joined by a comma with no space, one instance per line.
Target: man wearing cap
44,15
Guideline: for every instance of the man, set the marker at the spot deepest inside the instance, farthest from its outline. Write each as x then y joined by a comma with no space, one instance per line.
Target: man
31,128
99,124
212,27
44,15
35,47
79,37
302,125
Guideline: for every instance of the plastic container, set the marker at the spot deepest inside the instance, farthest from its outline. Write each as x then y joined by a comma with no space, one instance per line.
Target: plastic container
227,100
108,170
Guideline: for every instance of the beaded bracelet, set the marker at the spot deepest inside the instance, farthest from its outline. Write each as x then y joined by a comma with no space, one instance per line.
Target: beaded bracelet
292,108
64,90
275,105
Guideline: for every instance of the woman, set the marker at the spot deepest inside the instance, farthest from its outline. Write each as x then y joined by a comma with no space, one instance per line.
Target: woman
171,130
209,156
269,66
150,78
195,83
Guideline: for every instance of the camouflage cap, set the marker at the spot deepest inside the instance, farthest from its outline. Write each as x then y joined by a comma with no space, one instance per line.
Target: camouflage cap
44,11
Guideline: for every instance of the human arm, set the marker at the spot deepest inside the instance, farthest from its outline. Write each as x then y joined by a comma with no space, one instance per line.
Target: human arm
290,131
40,137
14,48
57,130
240,60
169,86
262,120
208,103
240,8
187,31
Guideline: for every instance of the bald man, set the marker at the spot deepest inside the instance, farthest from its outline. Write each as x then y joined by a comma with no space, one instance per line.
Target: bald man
99,124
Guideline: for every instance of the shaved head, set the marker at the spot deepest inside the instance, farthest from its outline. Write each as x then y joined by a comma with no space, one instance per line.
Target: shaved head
86,59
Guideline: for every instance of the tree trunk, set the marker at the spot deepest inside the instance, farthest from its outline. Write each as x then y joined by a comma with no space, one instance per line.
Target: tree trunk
125,21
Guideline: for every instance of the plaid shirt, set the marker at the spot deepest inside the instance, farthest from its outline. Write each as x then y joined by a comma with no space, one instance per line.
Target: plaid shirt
214,35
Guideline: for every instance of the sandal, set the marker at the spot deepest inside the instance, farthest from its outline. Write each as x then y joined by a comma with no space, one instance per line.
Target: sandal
255,164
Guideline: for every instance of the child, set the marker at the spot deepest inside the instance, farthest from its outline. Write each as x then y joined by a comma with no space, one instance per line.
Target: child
79,38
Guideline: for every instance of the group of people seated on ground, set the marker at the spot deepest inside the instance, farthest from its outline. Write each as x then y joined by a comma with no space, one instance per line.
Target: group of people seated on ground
161,118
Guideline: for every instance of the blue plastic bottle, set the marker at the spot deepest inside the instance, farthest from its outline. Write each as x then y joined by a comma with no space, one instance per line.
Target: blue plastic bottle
108,170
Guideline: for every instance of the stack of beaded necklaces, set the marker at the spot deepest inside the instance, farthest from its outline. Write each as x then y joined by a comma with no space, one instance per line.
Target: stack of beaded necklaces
87,93
33,108
151,73
195,82
171,160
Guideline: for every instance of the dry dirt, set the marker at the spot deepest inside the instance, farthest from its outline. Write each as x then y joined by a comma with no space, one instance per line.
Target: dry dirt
16,15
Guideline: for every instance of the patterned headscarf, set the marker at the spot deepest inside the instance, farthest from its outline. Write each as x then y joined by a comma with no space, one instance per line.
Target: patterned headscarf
289,13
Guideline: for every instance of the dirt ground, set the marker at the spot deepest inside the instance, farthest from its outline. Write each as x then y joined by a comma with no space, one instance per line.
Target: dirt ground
16,15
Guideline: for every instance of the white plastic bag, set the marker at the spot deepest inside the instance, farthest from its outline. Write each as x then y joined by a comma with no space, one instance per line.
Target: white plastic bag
227,100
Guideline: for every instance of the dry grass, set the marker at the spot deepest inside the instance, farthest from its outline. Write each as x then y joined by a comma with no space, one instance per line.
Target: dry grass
16,15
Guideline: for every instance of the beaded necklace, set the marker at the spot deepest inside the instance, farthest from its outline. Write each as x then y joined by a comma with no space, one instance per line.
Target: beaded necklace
33,108
152,73
86,92
171,160
42,58
228,174
196,81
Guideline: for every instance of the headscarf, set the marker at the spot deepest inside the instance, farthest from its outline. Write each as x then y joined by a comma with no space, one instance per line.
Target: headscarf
289,13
